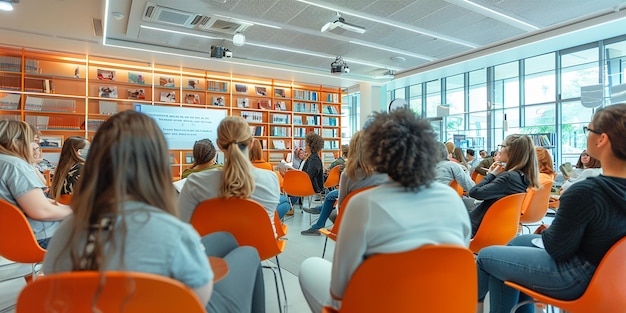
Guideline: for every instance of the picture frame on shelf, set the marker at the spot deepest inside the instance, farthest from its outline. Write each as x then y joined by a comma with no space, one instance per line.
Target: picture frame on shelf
192,98
243,103
136,78
219,101
193,83
167,81
264,104
168,96
137,94
260,91
279,92
108,107
241,88
103,74
107,92
280,106
189,158
47,142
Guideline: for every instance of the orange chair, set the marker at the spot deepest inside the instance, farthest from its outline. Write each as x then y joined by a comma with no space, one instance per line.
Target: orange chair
129,292
332,233
17,240
48,176
500,223
248,222
65,199
606,291
477,178
455,185
280,180
334,175
386,282
298,184
281,229
535,205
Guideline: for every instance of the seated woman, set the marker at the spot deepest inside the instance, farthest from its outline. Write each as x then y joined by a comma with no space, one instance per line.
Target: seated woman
587,166
514,173
590,220
203,158
71,161
21,186
544,163
121,225
312,164
39,164
356,175
237,179
410,211
256,157
446,171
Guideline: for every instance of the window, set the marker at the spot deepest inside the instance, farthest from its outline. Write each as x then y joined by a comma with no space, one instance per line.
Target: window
540,79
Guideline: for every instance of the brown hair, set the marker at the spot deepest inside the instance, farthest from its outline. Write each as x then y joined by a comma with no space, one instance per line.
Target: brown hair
128,160
256,152
314,141
203,152
593,162
69,157
522,157
401,145
544,161
357,160
345,150
15,139
610,120
234,137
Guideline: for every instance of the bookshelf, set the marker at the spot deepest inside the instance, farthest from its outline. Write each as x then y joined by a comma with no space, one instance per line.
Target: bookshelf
65,94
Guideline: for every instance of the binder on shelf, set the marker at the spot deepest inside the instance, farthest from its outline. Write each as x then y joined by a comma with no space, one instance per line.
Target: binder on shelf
108,107
9,101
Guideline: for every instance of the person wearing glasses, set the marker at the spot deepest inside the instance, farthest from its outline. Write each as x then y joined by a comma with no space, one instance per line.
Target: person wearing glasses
587,166
590,220
513,173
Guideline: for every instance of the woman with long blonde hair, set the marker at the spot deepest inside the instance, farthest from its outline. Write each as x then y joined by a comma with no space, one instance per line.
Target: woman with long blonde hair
357,174
20,184
68,170
238,178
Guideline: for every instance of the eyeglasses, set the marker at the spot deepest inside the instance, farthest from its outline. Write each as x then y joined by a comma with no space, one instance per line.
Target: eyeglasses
586,130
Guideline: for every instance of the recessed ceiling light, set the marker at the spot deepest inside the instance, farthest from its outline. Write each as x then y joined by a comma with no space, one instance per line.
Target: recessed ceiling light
6,5
117,15
239,39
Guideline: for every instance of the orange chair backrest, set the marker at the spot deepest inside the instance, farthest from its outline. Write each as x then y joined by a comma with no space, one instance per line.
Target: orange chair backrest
65,199
47,176
606,291
17,240
297,183
333,177
500,223
418,280
129,292
281,229
245,219
455,185
281,180
335,230
535,204
477,178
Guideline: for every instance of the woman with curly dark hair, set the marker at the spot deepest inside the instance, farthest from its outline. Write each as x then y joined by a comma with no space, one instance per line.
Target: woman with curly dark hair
406,213
312,164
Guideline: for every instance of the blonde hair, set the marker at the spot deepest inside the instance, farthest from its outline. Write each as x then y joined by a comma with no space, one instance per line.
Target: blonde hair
357,160
15,139
544,161
234,137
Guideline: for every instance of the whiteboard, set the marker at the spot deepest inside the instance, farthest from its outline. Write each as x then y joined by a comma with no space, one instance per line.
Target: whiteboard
181,126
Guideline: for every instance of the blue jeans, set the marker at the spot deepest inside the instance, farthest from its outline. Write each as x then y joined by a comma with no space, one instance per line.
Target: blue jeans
283,206
523,263
327,207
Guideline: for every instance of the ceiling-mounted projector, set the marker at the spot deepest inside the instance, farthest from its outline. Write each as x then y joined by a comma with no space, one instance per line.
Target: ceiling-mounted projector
341,23
339,67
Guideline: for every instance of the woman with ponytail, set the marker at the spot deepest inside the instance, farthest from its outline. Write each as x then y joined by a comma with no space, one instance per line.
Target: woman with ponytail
238,178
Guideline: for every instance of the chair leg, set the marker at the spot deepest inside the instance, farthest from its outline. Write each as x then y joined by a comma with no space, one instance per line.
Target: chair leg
523,303
282,282
280,306
324,251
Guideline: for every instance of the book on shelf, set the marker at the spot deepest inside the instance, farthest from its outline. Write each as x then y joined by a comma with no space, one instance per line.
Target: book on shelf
219,101
40,122
297,120
280,118
241,88
260,91
136,78
254,117
103,74
566,169
193,83
545,141
218,86
276,157
279,144
166,81
139,94
329,109
168,96
192,98
107,92
265,104
280,106
9,101
243,102
279,92
328,157
257,130
108,107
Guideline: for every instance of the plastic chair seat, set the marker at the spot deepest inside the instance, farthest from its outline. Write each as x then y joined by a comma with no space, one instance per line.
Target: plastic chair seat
500,223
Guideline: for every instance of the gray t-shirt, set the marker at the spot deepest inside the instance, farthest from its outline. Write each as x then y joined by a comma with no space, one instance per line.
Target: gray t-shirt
17,177
156,242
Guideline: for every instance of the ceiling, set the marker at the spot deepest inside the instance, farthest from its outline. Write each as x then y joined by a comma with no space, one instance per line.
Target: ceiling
284,38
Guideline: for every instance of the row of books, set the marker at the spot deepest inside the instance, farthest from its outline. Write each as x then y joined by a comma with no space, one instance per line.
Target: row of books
55,122
280,131
14,64
257,130
541,140
307,120
281,118
49,104
330,133
254,117
330,121
331,144
9,101
305,95
332,97
330,109
305,107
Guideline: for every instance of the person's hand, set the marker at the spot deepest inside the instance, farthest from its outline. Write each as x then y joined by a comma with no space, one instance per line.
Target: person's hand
496,168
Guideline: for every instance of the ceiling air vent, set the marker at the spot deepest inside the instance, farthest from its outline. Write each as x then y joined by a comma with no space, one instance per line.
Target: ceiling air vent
161,14
224,26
